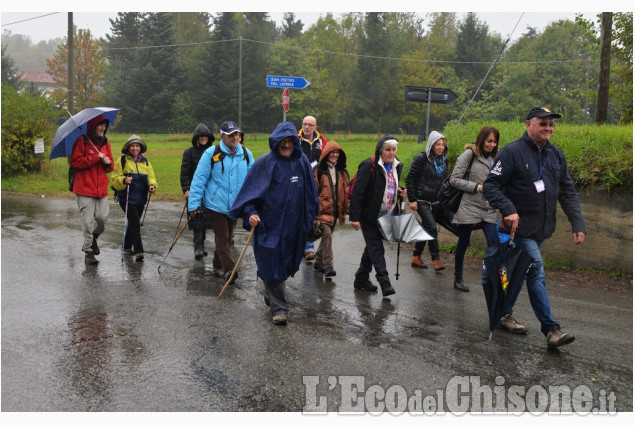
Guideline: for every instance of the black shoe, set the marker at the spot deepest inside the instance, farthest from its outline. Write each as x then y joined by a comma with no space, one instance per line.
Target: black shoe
318,267
90,258
198,254
329,272
364,284
138,256
227,276
459,285
205,253
386,289
94,246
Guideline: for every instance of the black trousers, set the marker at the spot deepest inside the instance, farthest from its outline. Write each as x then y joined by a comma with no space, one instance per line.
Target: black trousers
430,226
133,231
373,255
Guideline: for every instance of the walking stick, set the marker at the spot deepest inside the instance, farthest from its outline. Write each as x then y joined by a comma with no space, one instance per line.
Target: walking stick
174,243
125,223
403,206
146,210
237,262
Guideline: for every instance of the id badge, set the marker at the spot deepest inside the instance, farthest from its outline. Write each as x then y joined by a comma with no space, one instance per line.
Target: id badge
540,186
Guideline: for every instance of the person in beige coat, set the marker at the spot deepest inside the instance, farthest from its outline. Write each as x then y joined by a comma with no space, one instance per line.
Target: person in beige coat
332,181
474,211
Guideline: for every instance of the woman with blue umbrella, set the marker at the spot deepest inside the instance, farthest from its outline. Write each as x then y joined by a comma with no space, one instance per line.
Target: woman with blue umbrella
92,160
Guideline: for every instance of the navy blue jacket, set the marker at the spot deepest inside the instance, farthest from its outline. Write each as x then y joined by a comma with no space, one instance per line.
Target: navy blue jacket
510,188
282,192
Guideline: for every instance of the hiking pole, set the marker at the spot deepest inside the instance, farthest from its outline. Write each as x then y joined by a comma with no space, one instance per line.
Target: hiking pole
125,223
146,210
174,243
251,232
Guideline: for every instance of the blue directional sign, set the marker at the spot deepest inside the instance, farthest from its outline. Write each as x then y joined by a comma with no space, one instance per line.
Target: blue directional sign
283,82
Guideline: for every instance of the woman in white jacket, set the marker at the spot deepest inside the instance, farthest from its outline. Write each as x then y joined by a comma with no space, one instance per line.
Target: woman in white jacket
474,211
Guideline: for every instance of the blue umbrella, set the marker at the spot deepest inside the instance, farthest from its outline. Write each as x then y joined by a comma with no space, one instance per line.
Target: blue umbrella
505,266
75,126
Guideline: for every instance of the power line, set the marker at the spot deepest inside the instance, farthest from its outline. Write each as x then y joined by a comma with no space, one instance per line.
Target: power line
30,19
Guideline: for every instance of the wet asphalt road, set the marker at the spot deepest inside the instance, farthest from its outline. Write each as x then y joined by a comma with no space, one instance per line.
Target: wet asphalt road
124,337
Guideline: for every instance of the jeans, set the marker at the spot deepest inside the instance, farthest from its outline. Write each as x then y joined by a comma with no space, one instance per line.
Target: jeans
465,231
535,287
429,225
309,247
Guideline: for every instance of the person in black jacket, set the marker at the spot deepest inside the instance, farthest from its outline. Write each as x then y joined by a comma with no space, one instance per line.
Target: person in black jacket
375,194
201,140
528,179
426,175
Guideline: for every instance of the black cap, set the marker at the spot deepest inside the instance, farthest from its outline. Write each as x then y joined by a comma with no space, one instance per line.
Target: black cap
541,112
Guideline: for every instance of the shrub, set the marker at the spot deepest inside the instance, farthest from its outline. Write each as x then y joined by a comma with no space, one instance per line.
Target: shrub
25,117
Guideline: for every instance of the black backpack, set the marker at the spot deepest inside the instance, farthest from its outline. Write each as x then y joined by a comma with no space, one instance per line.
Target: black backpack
219,155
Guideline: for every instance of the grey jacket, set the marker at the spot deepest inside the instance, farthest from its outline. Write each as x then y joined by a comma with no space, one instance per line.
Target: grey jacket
474,208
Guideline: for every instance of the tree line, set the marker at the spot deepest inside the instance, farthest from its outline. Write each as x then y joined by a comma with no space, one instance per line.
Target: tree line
168,71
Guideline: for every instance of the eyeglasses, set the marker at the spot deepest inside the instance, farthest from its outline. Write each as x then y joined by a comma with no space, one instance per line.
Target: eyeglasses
545,124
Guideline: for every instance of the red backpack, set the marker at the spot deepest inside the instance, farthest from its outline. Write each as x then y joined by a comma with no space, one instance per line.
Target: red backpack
352,182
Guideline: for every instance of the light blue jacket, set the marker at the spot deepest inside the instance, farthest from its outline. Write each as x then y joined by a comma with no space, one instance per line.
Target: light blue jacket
215,188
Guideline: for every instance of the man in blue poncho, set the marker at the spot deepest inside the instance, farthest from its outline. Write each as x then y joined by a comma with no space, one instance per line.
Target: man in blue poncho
279,198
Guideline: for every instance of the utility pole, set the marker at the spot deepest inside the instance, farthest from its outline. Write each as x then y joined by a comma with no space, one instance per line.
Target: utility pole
240,83
70,77
602,105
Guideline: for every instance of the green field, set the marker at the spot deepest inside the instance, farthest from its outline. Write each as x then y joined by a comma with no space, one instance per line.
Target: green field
597,155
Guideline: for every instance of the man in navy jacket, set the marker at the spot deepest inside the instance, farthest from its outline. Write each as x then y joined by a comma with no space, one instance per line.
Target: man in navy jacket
529,178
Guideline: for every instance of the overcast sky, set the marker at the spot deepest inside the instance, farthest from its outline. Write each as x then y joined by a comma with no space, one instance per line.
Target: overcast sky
496,14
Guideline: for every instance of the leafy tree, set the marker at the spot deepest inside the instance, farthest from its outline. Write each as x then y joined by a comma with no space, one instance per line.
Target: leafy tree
24,119
89,67
9,73
541,71
291,29
27,55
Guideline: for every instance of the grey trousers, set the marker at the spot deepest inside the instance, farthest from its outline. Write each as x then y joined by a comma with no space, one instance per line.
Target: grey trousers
94,213
324,253
278,297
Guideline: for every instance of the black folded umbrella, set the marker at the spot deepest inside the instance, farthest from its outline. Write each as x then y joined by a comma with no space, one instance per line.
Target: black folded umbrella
444,217
506,266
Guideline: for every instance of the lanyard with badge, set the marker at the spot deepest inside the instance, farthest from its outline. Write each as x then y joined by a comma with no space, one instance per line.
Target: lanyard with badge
540,183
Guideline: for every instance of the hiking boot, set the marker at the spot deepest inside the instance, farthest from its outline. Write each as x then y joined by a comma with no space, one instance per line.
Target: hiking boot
459,285
198,254
280,319
138,256
364,284
509,324
228,274
556,338
438,265
386,288
94,246
90,258
310,256
418,262
329,272
318,267
267,300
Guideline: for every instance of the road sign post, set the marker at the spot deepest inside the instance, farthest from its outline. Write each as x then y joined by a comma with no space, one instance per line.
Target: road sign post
286,101
286,83
429,95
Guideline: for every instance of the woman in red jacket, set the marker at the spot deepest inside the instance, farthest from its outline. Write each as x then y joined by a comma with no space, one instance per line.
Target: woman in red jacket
92,158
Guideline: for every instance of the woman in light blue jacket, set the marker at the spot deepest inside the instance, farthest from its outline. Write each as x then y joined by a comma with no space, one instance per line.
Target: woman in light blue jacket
219,176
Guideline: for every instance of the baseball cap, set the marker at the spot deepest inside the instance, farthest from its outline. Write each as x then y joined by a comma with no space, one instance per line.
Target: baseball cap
541,112
229,127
